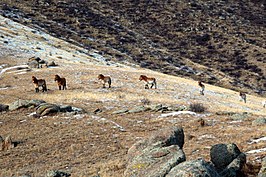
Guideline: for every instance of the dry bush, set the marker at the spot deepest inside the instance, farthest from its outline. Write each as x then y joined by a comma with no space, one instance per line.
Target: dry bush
197,107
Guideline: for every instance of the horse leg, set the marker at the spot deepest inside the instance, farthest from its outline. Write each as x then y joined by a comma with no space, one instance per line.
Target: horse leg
59,87
36,89
152,85
103,85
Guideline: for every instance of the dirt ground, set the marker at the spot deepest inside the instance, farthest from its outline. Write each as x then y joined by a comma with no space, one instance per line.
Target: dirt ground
96,144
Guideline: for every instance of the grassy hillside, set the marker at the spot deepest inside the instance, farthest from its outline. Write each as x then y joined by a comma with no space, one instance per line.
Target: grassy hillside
219,42
96,142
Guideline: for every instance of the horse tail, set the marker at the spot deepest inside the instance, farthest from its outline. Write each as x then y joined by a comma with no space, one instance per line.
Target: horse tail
155,84
44,86
109,82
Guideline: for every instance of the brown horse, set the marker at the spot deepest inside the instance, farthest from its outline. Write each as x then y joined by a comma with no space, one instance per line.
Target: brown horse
39,82
61,81
148,80
243,96
105,79
264,103
202,87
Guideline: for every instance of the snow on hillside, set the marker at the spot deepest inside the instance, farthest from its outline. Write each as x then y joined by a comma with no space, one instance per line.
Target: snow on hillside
35,42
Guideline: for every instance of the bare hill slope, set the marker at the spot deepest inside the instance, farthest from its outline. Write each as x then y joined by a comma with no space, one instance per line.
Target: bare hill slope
219,42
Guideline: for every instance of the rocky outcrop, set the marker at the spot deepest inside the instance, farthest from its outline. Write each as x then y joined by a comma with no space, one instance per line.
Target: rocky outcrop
43,108
25,104
227,159
157,155
47,108
161,155
195,168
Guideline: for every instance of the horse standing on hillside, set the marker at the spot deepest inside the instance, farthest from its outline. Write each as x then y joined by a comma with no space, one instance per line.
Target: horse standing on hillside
264,103
202,87
61,81
39,83
148,80
105,79
243,96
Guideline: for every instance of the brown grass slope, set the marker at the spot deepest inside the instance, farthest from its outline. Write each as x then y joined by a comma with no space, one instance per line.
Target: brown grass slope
219,42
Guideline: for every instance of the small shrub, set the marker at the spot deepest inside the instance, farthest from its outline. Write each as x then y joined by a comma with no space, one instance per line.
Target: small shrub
145,101
197,107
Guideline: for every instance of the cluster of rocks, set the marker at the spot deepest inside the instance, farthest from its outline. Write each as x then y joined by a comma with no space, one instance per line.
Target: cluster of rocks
162,155
42,108
153,108
37,62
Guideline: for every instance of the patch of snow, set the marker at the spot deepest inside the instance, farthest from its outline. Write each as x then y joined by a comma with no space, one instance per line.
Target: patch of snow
257,140
31,114
177,113
206,136
23,121
79,116
13,67
256,151
4,88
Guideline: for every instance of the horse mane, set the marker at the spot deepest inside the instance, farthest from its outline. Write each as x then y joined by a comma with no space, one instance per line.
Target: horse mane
34,79
57,77
100,76
143,77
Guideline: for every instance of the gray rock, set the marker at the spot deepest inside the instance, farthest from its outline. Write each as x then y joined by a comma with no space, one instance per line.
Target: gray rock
33,64
156,155
47,108
56,173
3,107
51,64
139,109
262,172
24,104
77,110
227,159
235,167
259,121
65,108
195,168
122,111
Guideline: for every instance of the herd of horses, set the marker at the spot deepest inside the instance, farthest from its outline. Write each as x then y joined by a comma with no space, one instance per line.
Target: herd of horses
61,82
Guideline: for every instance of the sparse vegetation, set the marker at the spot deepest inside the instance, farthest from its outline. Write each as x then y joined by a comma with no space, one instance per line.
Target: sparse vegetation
197,107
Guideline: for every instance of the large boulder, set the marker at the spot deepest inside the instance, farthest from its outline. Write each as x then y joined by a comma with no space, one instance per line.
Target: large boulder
156,155
3,107
195,168
227,159
262,172
47,108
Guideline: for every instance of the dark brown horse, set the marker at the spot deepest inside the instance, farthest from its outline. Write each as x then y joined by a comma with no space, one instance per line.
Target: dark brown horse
105,79
39,83
243,96
202,87
61,81
148,80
